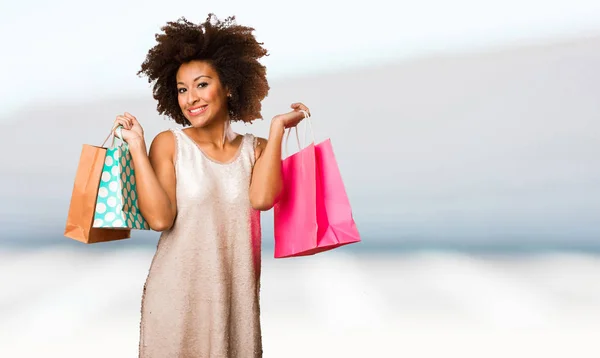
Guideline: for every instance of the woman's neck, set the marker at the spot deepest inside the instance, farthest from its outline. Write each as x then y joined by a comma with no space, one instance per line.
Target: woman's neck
218,133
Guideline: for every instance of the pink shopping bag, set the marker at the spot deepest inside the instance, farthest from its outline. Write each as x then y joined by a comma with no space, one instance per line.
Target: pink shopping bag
313,213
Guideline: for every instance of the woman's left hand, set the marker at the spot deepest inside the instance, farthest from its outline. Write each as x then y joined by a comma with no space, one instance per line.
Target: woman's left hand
291,119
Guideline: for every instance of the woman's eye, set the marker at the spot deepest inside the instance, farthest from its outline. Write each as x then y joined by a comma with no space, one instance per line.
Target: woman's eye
181,90
202,84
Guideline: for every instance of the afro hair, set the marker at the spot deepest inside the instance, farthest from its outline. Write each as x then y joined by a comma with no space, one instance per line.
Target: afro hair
231,49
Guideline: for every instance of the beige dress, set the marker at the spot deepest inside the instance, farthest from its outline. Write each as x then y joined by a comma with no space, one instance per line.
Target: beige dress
201,297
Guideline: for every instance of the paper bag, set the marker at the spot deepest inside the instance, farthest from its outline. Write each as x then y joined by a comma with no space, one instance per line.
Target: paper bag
117,204
83,200
313,213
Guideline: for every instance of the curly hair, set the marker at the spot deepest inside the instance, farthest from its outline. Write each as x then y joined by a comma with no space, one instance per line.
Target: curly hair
231,49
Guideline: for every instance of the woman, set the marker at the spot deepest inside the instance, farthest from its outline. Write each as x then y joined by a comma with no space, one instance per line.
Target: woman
204,187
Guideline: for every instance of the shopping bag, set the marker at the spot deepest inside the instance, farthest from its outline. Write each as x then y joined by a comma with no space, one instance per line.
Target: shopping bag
83,200
313,213
117,204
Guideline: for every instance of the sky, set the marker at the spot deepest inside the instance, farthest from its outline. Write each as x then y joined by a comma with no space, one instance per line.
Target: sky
70,50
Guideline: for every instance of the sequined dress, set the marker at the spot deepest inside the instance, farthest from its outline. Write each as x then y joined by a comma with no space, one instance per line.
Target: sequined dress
201,297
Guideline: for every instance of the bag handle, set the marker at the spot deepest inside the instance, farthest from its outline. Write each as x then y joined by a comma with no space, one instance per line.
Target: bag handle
115,132
307,118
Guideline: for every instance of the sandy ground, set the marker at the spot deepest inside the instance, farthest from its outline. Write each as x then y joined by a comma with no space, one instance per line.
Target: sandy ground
59,302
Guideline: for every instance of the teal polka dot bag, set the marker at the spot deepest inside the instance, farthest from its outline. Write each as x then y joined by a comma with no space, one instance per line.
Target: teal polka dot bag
116,203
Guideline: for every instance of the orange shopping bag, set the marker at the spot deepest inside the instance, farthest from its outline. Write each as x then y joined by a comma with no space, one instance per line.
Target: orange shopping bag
83,200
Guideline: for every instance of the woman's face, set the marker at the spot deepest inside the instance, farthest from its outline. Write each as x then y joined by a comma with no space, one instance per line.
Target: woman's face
200,94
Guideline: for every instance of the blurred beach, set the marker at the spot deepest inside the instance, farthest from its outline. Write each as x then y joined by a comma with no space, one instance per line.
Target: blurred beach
84,301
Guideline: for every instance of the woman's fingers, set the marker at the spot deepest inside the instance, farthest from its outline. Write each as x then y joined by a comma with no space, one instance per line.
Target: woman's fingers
130,116
298,106
124,121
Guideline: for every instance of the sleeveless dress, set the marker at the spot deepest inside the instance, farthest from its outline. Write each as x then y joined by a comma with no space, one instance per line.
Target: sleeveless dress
201,296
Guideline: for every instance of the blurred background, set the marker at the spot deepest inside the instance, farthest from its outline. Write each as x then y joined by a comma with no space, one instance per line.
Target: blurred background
467,133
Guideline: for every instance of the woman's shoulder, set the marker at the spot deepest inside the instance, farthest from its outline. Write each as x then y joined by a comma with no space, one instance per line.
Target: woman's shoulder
166,136
164,141
258,144
254,139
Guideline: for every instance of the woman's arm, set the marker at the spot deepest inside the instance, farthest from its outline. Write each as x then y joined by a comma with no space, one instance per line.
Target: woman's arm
266,183
155,180
154,173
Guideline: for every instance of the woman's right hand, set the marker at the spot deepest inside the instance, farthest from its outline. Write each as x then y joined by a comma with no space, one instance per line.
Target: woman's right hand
132,130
